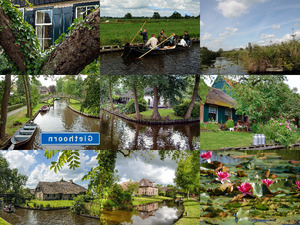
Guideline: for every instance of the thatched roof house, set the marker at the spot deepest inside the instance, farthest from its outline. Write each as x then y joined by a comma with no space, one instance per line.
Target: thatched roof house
58,190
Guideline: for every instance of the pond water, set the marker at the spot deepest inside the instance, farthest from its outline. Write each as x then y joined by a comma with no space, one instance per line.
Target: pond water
55,217
61,119
164,213
185,62
224,66
117,133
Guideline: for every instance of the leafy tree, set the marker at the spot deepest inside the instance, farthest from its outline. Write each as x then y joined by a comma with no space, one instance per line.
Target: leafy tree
52,88
59,85
128,16
4,105
194,96
176,15
156,15
92,97
133,187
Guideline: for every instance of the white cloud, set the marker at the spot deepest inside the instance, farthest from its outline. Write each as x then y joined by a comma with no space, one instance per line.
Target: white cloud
275,27
21,160
201,23
267,36
229,31
205,36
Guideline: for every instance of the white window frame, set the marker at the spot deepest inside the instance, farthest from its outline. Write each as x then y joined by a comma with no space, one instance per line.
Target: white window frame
23,11
84,6
43,25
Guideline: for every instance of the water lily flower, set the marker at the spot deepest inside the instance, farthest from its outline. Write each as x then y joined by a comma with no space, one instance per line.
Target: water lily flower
223,176
206,156
298,184
294,131
267,182
280,124
245,188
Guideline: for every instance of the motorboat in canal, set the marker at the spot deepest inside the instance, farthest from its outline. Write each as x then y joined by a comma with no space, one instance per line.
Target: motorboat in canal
134,51
44,108
9,209
24,134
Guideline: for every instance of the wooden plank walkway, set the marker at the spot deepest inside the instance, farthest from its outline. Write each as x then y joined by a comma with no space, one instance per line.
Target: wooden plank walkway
262,147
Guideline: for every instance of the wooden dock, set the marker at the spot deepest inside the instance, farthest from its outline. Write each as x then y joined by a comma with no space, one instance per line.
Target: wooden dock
262,147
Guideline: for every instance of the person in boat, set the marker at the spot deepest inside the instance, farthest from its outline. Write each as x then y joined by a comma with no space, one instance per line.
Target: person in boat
152,42
161,37
145,36
182,42
187,38
172,40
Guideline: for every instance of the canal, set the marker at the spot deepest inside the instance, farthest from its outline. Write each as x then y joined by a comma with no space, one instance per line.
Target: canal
184,62
117,133
164,213
37,217
61,119
224,66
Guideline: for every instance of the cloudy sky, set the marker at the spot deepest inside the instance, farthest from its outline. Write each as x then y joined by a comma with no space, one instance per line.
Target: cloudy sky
232,24
36,166
118,8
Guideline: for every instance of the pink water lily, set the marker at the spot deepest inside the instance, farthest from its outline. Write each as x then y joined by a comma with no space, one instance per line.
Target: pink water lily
267,182
245,188
223,176
206,156
298,184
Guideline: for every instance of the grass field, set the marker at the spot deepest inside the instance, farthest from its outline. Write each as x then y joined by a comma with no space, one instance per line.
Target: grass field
224,139
3,222
144,200
77,105
163,113
193,209
119,33
53,203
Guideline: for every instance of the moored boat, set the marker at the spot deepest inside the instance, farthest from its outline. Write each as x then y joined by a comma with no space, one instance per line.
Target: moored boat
24,134
44,108
9,209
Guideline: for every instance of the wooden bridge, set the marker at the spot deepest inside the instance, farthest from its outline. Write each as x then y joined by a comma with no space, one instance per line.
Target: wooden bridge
61,95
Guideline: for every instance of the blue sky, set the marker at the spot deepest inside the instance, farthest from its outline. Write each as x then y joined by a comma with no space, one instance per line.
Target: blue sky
232,24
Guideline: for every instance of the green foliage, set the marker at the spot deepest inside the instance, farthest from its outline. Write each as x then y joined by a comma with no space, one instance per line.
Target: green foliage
118,198
176,15
207,56
229,124
156,15
181,109
78,206
128,16
129,107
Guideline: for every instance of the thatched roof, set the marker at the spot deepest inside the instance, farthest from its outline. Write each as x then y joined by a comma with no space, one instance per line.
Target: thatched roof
146,183
129,94
60,187
217,97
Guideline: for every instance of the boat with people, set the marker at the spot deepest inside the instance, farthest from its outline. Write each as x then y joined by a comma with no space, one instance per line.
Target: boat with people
45,108
9,209
24,134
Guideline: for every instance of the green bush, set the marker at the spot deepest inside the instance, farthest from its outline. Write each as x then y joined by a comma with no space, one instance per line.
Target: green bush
48,206
212,127
229,124
78,206
202,126
181,109
129,107
35,205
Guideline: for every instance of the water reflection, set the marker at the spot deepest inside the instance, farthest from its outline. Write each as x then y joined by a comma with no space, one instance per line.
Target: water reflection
153,213
225,66
183,62
62,119
117,134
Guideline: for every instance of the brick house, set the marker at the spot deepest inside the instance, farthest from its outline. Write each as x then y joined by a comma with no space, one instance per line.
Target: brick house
147,188
60,190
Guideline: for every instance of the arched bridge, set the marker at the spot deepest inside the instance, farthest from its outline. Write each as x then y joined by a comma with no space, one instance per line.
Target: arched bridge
61,95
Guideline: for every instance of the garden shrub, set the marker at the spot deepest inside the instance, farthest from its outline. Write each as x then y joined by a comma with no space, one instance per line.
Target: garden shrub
78,206
229,124
212,127
181,109
129,107
202,126
48,206
34,205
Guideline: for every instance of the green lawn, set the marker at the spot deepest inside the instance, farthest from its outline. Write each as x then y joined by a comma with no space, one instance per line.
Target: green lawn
193,209
77,105
163,113
3,222
53,203
119,33
224,139
144,200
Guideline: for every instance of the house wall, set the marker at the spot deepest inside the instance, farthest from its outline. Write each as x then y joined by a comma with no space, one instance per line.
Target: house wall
150,191
201,112
149,100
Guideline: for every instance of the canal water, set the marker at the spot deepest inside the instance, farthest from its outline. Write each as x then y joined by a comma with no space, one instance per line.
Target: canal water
117,133
184,62
37,217
62,119
164,213
224,66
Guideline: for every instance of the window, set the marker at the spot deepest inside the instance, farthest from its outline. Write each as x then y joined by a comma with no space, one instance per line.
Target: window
43,23
212,113
83,11
144,191
22,10
227,114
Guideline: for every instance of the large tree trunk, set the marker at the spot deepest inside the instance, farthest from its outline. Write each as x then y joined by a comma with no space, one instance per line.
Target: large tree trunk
29,97
188,193
136,104
78,50
155,114
4,105
29,112
110,96
194,96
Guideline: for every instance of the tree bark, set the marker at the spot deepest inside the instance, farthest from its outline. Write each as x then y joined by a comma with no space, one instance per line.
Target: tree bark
26,87
194,96
7,41
136,104
77,51
155,114
110,96
188,193
4,105
29,97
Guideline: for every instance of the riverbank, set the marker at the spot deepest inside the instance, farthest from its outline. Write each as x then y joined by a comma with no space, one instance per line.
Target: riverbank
145,200
191,207
3,222
48,205
76,107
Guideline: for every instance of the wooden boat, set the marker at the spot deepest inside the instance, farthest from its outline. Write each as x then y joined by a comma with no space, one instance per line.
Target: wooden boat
24,134
57,98
138,50
8,209
44,108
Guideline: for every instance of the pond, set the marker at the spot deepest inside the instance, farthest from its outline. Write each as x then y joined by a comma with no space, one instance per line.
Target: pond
228,202
61,119
163,213
185,62
224,66
117,133
37,217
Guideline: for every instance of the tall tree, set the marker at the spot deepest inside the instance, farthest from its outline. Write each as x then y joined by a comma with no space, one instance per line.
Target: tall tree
194,96
4,105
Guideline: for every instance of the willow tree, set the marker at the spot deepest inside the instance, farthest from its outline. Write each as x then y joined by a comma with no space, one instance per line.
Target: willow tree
76,50
194,96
